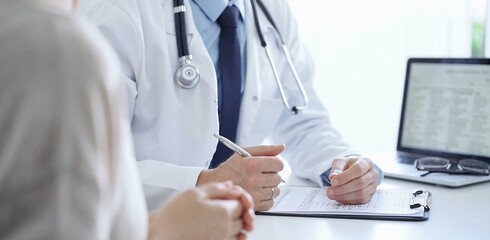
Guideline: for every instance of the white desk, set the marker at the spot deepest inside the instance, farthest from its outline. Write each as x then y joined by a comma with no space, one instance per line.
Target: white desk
456,213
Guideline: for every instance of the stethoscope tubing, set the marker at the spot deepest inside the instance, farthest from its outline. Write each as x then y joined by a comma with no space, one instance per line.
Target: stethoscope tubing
293,109
180,28
185,59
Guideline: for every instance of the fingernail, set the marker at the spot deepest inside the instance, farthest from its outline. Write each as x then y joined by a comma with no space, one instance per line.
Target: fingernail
252,212
280,145
228,183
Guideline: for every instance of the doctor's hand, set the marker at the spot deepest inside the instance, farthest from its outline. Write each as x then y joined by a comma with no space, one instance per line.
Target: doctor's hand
354,180
212,211
258,175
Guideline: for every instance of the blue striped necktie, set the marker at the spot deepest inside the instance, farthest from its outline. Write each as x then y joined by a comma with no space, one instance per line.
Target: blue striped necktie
230,65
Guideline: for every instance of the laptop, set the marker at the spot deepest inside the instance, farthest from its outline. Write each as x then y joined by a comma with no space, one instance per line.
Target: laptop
445,113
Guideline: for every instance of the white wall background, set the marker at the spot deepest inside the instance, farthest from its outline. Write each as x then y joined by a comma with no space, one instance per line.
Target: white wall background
361,48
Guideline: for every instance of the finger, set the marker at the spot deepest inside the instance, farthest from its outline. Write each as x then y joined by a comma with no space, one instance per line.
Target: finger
236,227
358,197
264,205
228,183
248,220
245,198
218,191
359,183
276,192
241,236
266,164
271,179
361,195
248,215
233,207
254,184
263,194
338,166
266,150
268,193
359,168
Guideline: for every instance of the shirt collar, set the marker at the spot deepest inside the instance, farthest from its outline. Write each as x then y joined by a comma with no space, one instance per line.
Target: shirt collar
213,10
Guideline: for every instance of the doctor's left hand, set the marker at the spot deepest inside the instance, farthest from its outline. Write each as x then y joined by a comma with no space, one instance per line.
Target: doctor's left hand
354,180
258,174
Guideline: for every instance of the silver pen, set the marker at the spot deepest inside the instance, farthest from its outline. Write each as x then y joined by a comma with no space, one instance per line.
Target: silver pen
231,145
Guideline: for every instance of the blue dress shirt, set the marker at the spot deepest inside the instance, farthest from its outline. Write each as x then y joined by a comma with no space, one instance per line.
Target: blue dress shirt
205,15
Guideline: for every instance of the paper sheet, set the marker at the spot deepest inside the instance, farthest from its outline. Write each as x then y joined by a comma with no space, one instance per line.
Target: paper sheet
313,200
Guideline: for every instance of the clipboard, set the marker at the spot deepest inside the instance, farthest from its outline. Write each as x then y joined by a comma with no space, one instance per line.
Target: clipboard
386,204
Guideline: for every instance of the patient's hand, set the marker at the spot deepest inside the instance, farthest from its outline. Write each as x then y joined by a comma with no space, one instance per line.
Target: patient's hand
211,211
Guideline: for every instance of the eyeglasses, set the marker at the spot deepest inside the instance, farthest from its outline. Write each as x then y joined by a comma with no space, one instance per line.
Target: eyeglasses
443,165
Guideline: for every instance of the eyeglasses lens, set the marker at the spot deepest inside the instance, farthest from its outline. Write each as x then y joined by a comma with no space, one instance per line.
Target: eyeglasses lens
474,165
433,162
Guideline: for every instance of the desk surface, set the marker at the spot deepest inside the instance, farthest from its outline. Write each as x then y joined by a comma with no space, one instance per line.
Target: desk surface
456,213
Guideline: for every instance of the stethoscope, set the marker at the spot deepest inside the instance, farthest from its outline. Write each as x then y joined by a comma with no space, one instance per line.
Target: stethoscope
187,75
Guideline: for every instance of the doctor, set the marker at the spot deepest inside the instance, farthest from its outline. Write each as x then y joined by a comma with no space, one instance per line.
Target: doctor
194,68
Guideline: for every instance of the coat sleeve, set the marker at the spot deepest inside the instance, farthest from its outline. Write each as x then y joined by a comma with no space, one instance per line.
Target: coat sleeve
314,143
120,29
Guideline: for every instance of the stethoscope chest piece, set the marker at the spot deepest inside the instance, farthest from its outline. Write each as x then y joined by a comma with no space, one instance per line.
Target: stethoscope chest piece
187,75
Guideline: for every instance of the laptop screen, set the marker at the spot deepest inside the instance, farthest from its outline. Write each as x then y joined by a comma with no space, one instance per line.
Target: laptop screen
446,108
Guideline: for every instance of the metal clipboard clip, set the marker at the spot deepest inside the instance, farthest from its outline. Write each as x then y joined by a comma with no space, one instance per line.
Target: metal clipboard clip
425,197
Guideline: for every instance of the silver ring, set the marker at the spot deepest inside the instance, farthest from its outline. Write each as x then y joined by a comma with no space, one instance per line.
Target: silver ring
272,196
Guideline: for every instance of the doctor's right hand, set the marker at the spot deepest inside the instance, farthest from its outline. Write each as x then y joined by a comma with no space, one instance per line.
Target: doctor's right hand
258,174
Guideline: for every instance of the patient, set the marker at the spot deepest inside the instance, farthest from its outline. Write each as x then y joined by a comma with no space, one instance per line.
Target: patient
66,160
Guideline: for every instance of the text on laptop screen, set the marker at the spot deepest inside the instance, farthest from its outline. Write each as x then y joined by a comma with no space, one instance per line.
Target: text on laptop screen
447,108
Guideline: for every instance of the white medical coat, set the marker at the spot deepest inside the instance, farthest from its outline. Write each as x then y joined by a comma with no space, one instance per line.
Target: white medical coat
67,169
173,127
